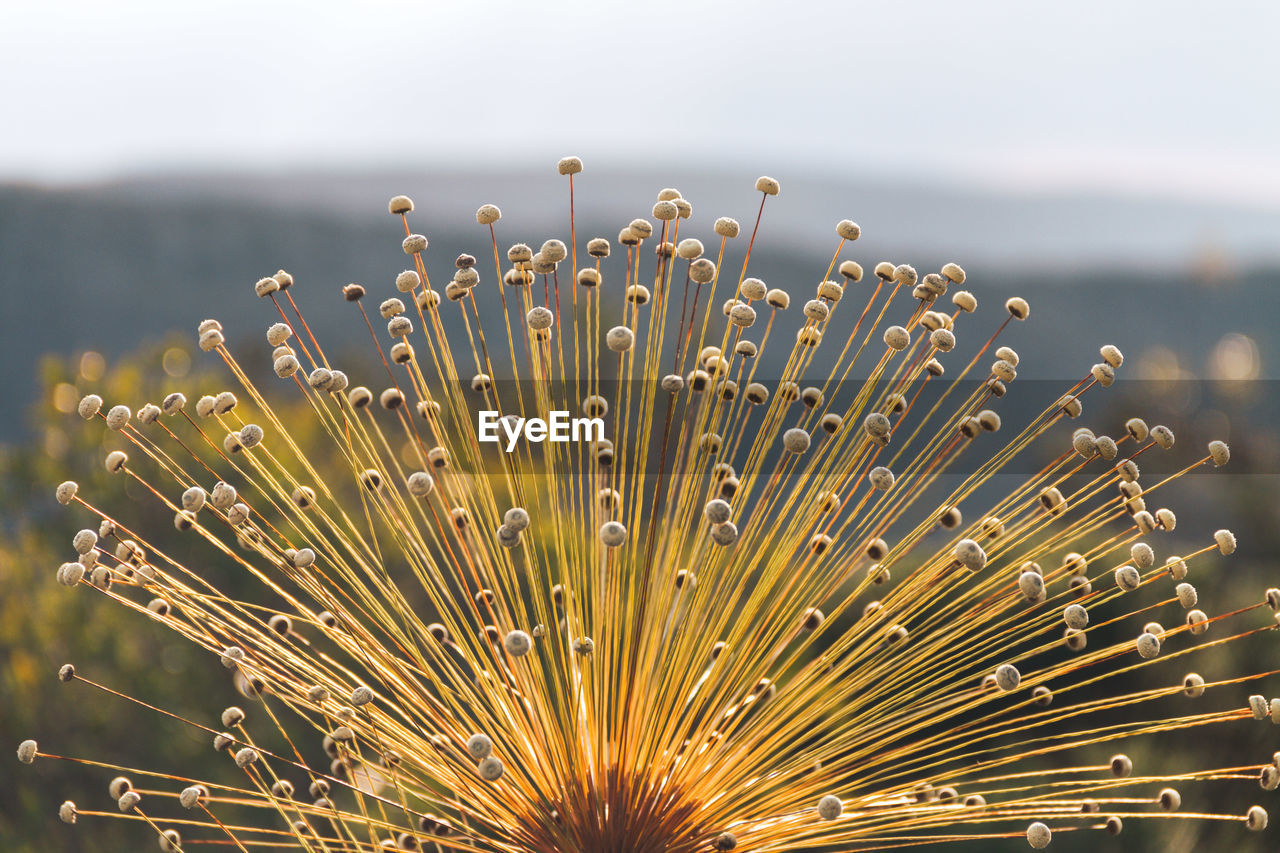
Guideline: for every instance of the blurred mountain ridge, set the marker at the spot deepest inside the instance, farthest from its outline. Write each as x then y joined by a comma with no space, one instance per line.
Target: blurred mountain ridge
109,266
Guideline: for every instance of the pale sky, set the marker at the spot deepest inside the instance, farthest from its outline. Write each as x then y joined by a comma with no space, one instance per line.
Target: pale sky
1177,99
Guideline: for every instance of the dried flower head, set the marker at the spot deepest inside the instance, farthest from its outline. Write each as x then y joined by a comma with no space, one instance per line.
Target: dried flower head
662,637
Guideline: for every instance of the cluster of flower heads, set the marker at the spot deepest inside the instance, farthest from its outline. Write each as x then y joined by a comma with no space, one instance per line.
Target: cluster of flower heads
753,615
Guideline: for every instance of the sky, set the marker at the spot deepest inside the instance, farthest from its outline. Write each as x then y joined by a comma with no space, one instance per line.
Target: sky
1157,99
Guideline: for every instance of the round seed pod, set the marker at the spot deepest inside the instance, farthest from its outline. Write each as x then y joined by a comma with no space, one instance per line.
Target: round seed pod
1121,766
988,420
1272,598
89,405
724,534
689,249
830,291
1004,371
1076,617
830,807
717,511
942,340
725,841
727,227
1142,555
1007,677
1269,778
665,210
1106,447
118,416
487,214
812,619
555,251
742,315
1187,596
1193,685
67,812
970,555
128,801
84,541
965,301
777,299
1127,578
767,185
1177,567
569,165
507,537
702,271
1148,645
1031,585
904,274
213,338
1256,818
1112,356
246,756
639,229
539,318
881,478
1219,453
672,383
950,518
1071,406
1114,825
1258,706
847,229
1225,540
517,643
1197,621
232,717
27,751
400,205
897,338
613,534
620,339
479,746
114,462
399,327
1104,373
414,244
598,247
851,270
1169,799
930,287
1162,436
173,403
490,769
1137,429
1018,308
1038,835
795,440
953,273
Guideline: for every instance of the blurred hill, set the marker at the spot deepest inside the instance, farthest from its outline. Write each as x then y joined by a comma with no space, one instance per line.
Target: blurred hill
111,266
